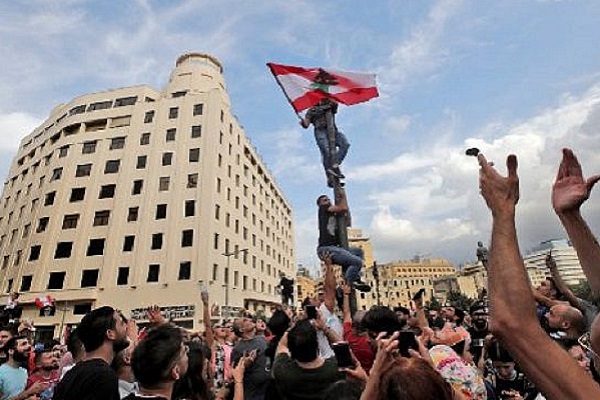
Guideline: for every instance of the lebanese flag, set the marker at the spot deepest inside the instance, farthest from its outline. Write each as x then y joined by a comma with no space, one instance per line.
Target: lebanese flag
44,301
305,87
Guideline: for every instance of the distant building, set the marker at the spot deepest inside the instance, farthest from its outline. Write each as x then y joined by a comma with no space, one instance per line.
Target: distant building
306,285
399,281
564,255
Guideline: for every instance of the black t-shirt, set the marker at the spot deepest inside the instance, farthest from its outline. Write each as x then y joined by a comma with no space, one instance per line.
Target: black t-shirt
133,396
88,380
328,232
316,114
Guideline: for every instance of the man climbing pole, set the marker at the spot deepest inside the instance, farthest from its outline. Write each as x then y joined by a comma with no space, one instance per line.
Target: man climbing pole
350,259
331,158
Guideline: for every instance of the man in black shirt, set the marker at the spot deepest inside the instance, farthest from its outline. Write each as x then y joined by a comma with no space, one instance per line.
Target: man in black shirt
103,332
157,362
350,260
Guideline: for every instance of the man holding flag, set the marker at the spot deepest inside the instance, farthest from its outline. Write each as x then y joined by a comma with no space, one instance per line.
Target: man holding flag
321,90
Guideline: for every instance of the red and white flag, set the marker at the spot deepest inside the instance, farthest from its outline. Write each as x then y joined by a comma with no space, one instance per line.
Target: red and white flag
44,301
305,87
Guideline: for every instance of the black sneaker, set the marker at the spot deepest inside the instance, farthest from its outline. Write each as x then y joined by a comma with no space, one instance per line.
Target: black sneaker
361,286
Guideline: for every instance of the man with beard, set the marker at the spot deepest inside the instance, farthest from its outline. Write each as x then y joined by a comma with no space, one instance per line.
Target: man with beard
103,332
46,371
13,377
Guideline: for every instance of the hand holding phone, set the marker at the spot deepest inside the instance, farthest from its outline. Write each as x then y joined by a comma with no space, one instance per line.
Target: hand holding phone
343,355
311,311
407,340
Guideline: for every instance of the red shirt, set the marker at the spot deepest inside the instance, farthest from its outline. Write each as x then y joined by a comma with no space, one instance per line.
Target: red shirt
360,346
37,377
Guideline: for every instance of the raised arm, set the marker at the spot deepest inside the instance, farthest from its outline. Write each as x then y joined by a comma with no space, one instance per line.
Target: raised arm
569,192
561,285
513,317
346,304
210,338
341,203
328,283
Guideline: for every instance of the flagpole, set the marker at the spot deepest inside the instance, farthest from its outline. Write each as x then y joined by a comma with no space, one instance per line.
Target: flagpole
283,90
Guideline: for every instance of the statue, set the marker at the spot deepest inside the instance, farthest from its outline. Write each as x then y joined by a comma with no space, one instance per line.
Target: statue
482,254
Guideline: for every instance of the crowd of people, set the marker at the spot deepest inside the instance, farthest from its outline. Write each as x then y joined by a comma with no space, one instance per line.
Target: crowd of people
518,342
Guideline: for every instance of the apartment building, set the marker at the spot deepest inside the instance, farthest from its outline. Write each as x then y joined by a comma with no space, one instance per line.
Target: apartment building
134,196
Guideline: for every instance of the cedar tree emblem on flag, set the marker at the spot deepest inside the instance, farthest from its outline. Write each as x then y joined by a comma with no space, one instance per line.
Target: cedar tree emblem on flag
305,87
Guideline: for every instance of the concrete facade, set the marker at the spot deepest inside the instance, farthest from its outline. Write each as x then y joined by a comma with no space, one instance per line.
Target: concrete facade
132,196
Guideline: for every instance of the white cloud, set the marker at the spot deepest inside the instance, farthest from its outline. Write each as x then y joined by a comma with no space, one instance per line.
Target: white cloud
432,203
14,126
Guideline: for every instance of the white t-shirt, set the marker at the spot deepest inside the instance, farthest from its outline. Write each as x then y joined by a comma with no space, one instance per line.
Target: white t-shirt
334,323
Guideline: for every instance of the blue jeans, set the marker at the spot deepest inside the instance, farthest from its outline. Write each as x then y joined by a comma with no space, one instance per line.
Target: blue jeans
339,153
350,260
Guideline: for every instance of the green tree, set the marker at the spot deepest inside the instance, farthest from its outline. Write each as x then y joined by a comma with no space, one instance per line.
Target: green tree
458,299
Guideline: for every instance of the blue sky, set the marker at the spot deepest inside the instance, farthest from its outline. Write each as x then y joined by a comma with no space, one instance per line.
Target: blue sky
510,76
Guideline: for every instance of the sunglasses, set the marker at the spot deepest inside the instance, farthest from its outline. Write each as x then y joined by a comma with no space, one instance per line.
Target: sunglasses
585,342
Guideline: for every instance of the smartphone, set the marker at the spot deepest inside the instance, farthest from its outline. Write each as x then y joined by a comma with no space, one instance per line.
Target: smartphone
473,151
311,312
342,355
419,294
407,340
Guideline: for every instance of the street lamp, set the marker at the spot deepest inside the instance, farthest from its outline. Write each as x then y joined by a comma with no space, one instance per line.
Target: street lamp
228,255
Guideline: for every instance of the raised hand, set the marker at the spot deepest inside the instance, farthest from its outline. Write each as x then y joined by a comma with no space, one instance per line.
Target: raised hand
326,258
570,189
155,316
500,193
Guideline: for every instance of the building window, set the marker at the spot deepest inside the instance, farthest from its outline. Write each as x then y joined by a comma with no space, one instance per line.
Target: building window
167,158
34,252
112,166
157,240
192,180
194,155
63,250
57,280
70,221
26,283
173,112
141,162
185,271
132,214
217,211
216,241
145,139
82,309
89,278
128,243
101,217
117,143
77,194
95,247
161,211
83,170
163,183
196,131
77,110
63,151
42,224
89,147
56,174
107,191
198,109
170,135
137,186
123,276
100,105
125,101
149,117
187,238
190,208
49,199
153,273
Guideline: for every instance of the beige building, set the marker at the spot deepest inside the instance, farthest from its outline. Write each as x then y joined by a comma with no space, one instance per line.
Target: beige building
464,284
400,280
565,257
132,196
306,285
